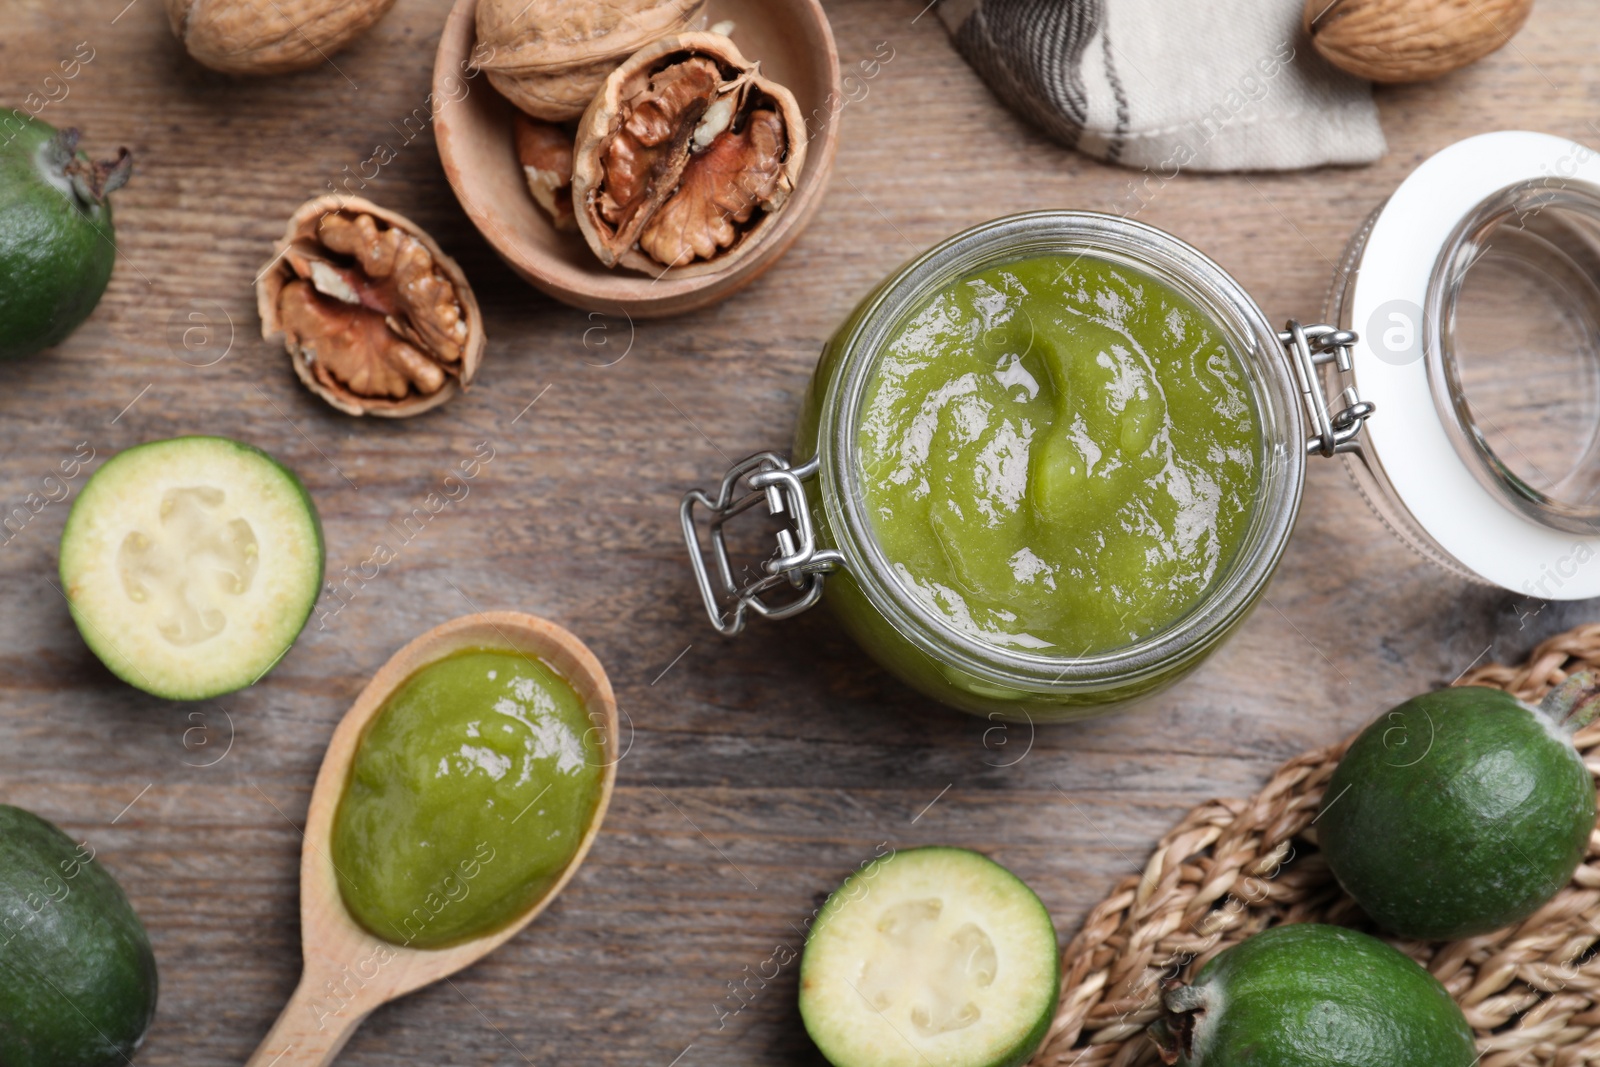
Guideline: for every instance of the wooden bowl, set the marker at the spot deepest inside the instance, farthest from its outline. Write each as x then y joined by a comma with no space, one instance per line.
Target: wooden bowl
472,125
347,971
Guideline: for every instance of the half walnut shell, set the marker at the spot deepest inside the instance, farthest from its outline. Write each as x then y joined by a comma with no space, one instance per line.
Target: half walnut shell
376,318
685,158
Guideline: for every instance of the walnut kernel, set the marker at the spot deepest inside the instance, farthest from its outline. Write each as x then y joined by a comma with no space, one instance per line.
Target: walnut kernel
685,157
376,318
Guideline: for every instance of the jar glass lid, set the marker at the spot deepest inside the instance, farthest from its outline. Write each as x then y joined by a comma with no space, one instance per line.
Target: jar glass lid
1513,350
1477,298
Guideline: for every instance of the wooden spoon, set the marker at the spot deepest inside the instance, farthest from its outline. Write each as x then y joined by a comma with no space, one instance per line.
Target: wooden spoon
348,972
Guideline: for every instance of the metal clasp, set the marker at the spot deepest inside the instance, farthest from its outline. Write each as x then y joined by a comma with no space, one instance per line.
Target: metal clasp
1310,347
797,561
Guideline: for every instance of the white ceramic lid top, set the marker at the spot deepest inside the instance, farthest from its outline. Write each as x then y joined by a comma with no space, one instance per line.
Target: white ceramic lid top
1406,434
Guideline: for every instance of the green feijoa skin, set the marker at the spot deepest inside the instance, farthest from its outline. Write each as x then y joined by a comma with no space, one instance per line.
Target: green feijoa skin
1308,995
77,977
57,243
1463,810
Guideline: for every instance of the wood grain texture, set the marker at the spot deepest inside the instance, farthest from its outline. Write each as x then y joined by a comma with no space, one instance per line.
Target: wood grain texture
760,771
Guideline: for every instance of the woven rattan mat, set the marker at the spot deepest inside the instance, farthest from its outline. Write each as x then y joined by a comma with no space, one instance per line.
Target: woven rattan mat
1233,867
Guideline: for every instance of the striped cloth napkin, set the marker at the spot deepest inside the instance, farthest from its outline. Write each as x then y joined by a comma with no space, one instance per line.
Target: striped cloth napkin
1170,85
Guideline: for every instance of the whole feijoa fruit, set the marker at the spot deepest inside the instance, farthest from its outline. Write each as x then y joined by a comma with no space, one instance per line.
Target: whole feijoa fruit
57,244
1306,994
77,977
1463,810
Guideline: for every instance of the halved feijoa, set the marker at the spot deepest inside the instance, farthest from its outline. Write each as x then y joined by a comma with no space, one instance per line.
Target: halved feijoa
1463,810
930,956
1308,995
191,564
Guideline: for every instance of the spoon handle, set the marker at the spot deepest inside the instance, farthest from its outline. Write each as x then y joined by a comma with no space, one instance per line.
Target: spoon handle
308,1033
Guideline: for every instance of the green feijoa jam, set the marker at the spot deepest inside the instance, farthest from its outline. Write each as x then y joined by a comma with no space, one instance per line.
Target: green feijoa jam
1462,810
1059,455
77,976
470,793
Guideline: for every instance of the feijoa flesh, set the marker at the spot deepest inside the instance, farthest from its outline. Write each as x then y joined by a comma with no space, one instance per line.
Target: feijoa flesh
77,977
190,565
1308,995
1463,810
930,956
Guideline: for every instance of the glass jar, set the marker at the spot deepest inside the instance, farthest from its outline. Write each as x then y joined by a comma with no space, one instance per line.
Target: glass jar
1474,288
1466,314
828,539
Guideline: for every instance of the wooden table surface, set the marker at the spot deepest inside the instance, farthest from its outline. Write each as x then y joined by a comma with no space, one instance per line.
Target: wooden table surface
761,771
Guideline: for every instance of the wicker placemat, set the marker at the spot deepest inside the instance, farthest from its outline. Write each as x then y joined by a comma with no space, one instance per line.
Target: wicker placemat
1233,867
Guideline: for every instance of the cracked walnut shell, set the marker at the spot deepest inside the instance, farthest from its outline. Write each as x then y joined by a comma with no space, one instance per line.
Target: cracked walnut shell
1410,40
376,319
549,58
269,36
685,158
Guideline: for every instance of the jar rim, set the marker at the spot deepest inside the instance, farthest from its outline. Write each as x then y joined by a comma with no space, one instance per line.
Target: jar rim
1519,208
1425,483
1281,429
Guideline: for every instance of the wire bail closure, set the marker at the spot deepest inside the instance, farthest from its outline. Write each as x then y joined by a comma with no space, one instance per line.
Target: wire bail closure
1309,347
797,562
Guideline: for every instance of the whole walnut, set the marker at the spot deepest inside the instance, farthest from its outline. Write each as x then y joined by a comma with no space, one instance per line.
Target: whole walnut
269,36
1410,40
550,57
